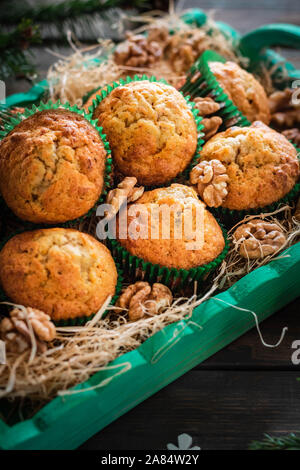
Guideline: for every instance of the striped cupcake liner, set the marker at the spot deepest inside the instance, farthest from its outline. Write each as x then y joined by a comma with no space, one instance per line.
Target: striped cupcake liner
86,97
104,92
176,279
11,123
201,82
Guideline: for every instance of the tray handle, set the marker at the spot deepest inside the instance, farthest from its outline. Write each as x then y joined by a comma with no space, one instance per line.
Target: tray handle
270,35
254,43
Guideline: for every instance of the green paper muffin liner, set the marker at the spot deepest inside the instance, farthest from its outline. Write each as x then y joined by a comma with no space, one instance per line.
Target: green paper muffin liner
89,94
10,124
229,217
104,92
78,321
136,268
206,84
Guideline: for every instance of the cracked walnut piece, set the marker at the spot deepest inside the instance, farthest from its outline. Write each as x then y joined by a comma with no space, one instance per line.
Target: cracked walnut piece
63,272
207,106
138,51
261,164
52,167
284,113
126,191
179,50
184,47
14,330
259,238
211,180
151,130
211,126
140,299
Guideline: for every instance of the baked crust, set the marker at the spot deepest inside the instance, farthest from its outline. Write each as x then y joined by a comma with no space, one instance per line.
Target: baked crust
243,89
63,272
52,167
151,130
173,252
261,163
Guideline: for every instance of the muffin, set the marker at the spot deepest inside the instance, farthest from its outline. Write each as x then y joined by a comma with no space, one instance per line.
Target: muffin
167,248
243,90
63,272
151,130
261,164
52,167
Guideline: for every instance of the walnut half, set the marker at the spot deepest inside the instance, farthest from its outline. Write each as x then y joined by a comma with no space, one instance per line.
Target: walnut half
259,238
211,179
207,106
284,113
15,332
140,299
126,191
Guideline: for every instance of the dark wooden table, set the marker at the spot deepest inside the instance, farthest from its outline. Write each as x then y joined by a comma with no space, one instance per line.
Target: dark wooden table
245,390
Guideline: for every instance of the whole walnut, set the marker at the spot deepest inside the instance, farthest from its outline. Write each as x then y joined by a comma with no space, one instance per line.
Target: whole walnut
206,107
138,51
141,299
259,238
211,180
15,331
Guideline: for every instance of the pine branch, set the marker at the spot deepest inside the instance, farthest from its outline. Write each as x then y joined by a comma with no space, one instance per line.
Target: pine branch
12,13
14,58
289,442
23,35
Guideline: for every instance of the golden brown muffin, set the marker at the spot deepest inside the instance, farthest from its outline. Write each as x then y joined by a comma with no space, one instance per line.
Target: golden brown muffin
262,165
63,272
170,251
151,130
243,90
52,167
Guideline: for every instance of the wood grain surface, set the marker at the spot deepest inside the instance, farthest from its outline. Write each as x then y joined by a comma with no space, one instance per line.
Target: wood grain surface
219,409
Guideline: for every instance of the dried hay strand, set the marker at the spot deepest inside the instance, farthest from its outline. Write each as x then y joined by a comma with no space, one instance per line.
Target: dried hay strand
71,77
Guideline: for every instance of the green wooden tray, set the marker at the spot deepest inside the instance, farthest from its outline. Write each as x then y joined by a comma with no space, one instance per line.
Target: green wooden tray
66,422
